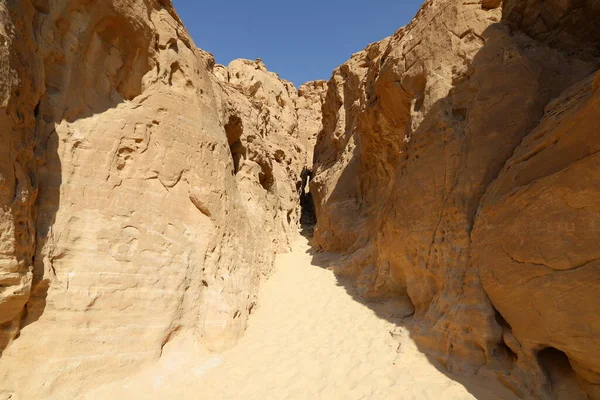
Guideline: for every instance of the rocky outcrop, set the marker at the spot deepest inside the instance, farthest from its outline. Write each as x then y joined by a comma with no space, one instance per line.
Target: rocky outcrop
456,169
534,238
311,96
143,196
268,141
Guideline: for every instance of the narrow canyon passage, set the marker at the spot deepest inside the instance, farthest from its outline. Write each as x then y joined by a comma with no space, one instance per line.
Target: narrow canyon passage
151,198
308,339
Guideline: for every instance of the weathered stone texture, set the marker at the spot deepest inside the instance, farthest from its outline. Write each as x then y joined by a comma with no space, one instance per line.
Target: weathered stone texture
456,167
141,198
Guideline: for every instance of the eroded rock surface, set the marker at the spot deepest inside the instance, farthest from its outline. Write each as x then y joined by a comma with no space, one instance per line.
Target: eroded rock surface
142,196
309,105
456,167
570,25
20,88
144,190
534,241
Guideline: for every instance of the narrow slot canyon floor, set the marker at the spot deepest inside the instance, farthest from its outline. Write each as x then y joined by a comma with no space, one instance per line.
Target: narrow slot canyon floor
308,339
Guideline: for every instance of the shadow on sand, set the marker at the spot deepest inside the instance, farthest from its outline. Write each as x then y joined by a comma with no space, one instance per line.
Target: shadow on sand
483,385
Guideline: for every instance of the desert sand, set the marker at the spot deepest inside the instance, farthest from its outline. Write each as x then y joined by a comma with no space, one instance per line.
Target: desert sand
310,338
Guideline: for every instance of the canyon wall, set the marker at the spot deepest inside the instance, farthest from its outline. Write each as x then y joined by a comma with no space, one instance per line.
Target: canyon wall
457,168
144,191
311,96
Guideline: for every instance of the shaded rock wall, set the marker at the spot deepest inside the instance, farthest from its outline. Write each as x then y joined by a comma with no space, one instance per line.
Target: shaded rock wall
534,241
570,25
142,197
447,152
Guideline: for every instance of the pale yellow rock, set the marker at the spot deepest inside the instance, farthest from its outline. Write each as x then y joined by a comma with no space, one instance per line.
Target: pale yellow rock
221,72
535,240
148,226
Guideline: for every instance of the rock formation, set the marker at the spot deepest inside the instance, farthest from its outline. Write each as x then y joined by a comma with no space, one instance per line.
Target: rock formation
144,190
310,119
143,194
457,167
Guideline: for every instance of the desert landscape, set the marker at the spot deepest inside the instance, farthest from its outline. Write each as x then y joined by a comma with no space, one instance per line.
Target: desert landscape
424,225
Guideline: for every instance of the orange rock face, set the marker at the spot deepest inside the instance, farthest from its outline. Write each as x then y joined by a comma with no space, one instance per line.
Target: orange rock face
310,118
456,168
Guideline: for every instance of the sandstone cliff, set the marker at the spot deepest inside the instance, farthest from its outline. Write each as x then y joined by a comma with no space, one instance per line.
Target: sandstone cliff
142,194
311,96
457,169
144,190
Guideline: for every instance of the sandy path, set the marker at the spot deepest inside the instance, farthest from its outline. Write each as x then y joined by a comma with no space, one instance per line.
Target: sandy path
309,339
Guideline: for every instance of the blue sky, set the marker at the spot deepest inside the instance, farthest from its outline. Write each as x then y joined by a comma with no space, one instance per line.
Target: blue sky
301,40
